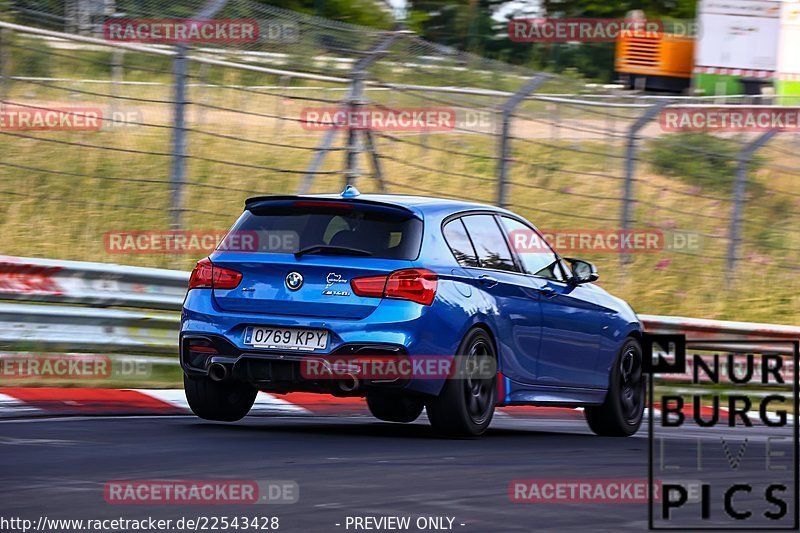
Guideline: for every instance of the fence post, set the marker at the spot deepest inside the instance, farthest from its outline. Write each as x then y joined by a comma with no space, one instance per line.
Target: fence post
630,167
180,73
505,132
355,98
5,64
117,61
377,170
739,189
283,83
178,167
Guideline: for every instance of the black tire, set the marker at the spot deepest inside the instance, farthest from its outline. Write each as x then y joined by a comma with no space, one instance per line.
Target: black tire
621,413
394,407
465,406
225,401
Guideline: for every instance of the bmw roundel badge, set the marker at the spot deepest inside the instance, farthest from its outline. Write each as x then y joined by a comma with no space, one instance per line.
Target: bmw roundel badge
294,280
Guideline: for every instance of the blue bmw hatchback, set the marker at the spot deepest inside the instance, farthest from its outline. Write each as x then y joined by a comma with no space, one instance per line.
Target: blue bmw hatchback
316,278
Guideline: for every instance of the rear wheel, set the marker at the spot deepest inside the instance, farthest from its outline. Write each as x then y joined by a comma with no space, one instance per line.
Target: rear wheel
394,407
225,401
621,413
466,404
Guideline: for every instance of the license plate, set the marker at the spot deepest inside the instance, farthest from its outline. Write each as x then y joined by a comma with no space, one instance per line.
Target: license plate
286,338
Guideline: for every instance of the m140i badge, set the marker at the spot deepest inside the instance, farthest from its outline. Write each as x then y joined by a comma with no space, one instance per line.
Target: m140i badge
332,279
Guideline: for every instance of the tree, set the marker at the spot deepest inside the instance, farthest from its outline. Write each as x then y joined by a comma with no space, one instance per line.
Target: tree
362,12
618,8
466,25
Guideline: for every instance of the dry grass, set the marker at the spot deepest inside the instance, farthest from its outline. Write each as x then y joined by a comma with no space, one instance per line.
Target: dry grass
65,213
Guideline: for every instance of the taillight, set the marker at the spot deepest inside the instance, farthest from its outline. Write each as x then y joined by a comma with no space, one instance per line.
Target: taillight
372,286
208,276
323,204
414,284
202,275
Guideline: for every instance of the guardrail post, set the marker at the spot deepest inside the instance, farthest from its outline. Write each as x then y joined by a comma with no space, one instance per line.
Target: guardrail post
739,189
505,132
630,168
355,99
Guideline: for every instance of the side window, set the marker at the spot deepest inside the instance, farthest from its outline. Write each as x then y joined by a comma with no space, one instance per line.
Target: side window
490,245
535,254
458,240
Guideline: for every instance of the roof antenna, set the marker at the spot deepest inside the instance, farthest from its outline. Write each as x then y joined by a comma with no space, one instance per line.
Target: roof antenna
350,192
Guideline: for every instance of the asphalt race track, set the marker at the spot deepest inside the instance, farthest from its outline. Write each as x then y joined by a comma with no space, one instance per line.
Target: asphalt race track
345,466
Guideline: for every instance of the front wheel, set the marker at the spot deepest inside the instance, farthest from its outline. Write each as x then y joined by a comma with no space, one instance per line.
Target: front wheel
225,401
621,413
465,406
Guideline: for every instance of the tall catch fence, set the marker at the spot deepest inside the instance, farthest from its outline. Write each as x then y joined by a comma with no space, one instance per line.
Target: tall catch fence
190,130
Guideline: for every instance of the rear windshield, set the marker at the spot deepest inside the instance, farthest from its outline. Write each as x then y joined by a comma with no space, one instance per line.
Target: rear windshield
375,233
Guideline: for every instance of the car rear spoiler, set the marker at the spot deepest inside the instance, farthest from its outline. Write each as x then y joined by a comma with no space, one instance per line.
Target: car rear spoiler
289,201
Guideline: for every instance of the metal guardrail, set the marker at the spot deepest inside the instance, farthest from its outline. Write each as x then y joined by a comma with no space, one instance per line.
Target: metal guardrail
95,284
55,327
93,327
765,337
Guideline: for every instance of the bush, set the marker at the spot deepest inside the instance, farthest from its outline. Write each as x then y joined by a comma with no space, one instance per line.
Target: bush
699,159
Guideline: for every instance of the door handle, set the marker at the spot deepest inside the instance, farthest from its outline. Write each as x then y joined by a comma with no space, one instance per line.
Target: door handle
487,280
547,292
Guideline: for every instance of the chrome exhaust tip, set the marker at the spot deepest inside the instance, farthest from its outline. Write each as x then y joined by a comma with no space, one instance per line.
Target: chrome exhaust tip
349,383
217,372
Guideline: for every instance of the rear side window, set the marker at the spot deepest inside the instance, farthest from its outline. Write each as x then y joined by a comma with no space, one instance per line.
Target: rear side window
379,233
458,240
490,243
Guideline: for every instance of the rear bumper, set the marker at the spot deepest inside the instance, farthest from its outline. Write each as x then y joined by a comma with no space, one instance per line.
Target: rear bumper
278,371
395,327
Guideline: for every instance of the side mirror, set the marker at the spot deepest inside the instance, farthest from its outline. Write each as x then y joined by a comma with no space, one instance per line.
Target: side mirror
583,271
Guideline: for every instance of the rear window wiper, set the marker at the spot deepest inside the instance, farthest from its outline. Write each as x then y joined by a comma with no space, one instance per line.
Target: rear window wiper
331,250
